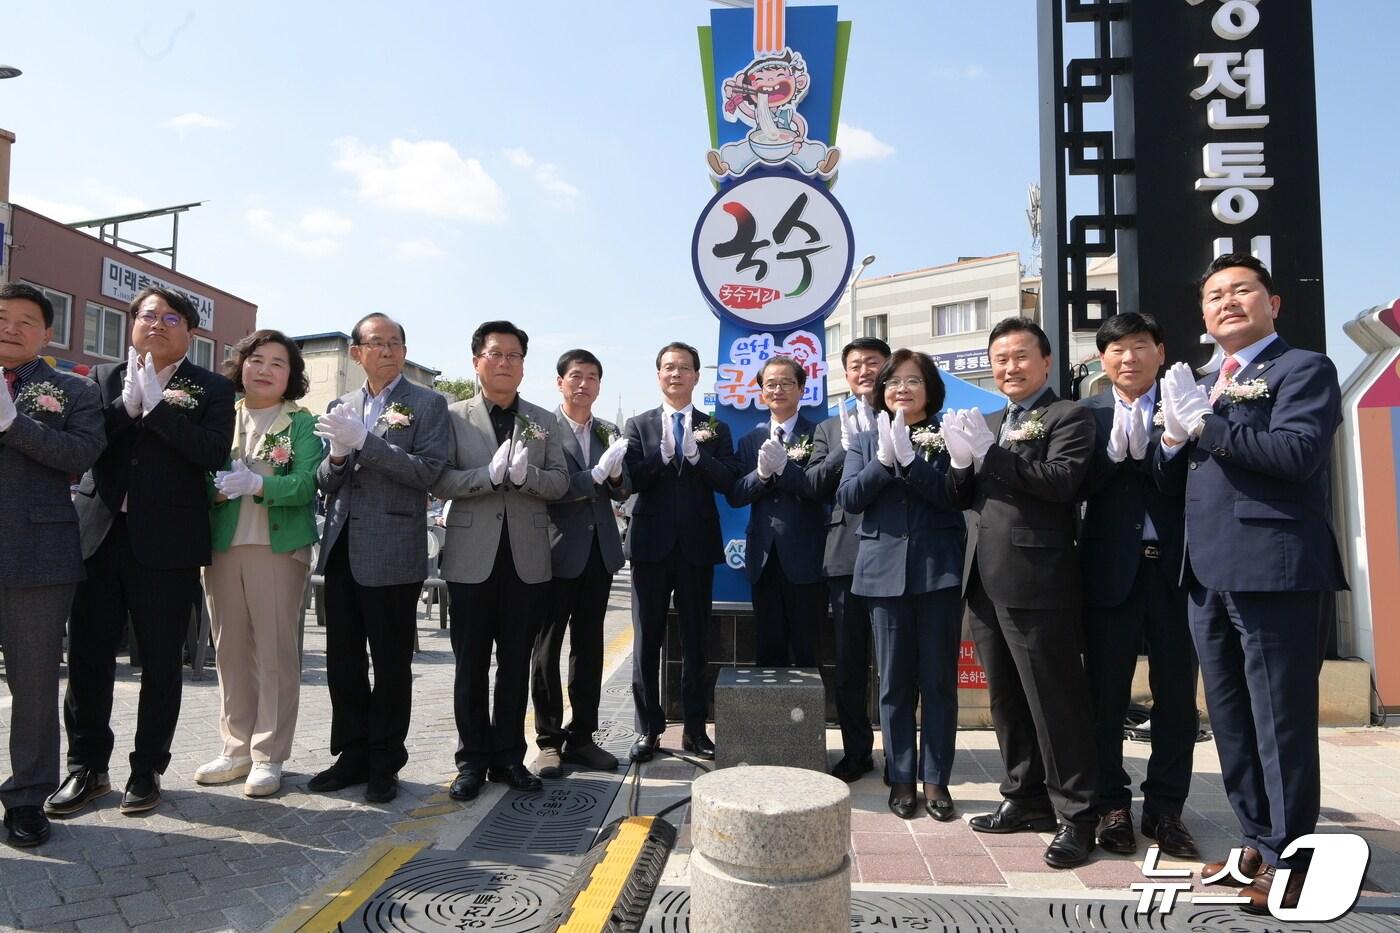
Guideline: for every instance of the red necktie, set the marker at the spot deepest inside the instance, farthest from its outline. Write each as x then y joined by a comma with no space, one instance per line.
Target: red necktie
12,383
1227,375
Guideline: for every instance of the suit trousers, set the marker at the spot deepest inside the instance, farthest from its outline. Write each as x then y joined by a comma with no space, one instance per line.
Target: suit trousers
31,635
255,600
1039,696
577,604
1261,654
787,618
159,604
369,725
916,645
500,610
1155,611
851,681
653,582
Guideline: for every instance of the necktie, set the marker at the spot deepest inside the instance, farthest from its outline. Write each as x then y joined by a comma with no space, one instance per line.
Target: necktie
1013,419
12,383
781,435
678,429
1227,374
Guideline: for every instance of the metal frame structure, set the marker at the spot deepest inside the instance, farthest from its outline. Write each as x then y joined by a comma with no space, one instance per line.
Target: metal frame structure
116,239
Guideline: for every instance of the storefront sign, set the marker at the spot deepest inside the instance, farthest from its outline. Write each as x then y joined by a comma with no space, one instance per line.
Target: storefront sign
963,361
123,283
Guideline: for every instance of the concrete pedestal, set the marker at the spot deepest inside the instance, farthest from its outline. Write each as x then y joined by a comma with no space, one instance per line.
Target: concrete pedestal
770,716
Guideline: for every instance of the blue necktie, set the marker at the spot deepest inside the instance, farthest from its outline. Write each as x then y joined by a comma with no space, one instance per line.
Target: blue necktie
678,429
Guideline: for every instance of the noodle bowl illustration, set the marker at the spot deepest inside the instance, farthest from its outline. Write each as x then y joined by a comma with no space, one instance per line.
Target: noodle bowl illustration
770,142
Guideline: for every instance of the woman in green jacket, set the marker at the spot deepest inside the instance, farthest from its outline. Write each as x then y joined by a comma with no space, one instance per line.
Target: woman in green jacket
264,524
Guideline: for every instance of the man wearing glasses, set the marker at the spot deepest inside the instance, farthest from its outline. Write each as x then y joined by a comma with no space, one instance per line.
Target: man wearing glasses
388,443
787,523
143,517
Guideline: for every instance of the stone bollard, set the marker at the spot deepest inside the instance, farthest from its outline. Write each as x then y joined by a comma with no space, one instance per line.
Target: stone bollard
769,852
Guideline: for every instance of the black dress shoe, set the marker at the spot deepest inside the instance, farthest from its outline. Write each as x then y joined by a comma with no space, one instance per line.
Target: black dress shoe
1011,817
1070,847
1171,834
28,827
338,776
938,803
904,802
382,788
644,747
1116,831
142,793
851,769
78,789
700,744
517,776
467,785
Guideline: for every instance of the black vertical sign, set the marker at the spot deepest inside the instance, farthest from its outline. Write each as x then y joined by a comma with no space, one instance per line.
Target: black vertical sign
1219,114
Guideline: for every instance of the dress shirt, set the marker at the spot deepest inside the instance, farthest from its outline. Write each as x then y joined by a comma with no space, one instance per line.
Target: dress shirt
583,432
503,418
374,404
23,373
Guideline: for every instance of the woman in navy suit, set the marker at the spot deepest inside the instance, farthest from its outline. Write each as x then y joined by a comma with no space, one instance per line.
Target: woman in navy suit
909,569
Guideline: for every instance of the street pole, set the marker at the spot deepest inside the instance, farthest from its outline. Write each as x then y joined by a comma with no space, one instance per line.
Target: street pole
864,263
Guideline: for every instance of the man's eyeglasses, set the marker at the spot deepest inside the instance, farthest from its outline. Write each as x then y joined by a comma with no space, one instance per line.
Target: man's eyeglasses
784,385
169,318
496,356
912,382
383,346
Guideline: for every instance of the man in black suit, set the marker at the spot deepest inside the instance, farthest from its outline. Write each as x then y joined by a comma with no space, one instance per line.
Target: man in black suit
143,515
678,459
1131,551
1023,589
861,359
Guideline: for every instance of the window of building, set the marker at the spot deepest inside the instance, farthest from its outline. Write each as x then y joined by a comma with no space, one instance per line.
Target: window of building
833,338
201,352
228,352
104,332
960,317
62,314
878,325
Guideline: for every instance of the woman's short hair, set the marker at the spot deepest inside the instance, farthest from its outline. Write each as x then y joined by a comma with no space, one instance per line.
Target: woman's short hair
933,382
297,383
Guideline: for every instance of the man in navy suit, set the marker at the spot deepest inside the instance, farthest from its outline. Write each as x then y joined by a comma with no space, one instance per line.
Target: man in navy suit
1251,446
1130,546
678,459
787,522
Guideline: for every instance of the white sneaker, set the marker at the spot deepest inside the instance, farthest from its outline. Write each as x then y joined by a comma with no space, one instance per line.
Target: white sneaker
222,770
264,780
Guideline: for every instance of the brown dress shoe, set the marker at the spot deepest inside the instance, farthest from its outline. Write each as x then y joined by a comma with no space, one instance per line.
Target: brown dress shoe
1250,864
1263,883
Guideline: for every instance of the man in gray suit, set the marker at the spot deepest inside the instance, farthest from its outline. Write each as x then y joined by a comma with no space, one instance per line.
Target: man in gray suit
388,443
585,551
50,429
506,463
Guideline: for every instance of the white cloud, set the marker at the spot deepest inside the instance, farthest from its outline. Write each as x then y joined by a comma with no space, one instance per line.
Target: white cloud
195,121
856,143
313,236
545,174
90,199
61,211
418,249
428,177
955,72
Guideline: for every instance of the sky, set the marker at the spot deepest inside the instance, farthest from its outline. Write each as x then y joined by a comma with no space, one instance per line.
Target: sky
543,160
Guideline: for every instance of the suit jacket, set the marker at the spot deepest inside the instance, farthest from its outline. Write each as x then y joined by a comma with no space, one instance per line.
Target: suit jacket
1118,497
158,463
675,508
910,524
479,510
785,511
585,510
39,543
1258,511
1026,498
381,490
825,469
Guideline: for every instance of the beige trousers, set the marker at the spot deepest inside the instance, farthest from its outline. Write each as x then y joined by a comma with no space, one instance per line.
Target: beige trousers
254,603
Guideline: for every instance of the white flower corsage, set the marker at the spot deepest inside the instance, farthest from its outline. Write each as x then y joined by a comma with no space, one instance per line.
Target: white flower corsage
1159,420
396,415
606,436
41,398
181,393
1032,429
276,450
799,450
930,440
702,431
1250,391
531,430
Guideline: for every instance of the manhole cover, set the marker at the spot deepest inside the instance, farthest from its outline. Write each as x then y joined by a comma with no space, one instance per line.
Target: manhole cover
442,891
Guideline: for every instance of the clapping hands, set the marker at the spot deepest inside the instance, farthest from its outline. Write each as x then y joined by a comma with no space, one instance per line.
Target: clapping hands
609,465
343,428
239,481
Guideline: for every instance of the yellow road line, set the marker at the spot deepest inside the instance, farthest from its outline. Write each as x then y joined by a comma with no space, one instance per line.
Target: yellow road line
594,904
383,860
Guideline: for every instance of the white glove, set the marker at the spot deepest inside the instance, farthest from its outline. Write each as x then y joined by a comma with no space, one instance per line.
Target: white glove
691,449
865,416
609,465
983,438
240,481
959,441
518,463
899,435
500,460
151,392
7,409
850,425
1118,434
1191,400
668,440
1173,433
772,458
131,389
337,427
884,439
1139,434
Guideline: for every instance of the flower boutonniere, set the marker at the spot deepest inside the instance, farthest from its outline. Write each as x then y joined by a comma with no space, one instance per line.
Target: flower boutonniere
930,440
41,398
702,429
396,415
531,430
1032,429
181,393
605,433
800,449
275,449
1158,419
1235,392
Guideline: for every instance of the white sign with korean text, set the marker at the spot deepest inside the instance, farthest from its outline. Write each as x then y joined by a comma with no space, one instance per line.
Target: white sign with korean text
123,283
